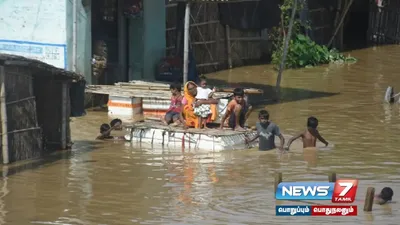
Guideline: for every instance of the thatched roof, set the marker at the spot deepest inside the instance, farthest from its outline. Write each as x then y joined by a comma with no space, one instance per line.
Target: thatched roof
33,64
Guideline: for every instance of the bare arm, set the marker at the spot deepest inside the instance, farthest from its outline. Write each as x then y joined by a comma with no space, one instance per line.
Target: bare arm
224,117
282,141
229,109
253,139
321,139
209,101
293,139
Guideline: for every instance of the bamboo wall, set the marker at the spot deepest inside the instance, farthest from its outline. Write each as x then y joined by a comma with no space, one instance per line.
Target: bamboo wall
384,23
210,45
24,135
208,39
322,18
33,104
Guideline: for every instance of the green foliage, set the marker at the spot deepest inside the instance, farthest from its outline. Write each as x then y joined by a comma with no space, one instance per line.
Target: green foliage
302,51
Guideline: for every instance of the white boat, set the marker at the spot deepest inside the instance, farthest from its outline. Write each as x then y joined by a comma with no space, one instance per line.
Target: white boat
176,137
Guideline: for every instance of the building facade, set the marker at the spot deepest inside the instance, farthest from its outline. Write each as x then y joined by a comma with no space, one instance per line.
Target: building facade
59,32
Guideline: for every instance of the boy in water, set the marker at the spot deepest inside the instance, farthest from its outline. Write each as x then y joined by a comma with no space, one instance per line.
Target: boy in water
266,132
385,196
204,110
117,123
310,135
174,113
238,110
105,133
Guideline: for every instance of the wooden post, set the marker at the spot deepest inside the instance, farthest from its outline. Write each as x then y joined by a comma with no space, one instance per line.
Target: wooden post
217,42
3,114
64,102
228,45
278,180
369,199
332,177
285,50
341,22
186,44
339,7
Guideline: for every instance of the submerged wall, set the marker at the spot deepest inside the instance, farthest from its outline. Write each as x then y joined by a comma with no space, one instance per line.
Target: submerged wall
34,29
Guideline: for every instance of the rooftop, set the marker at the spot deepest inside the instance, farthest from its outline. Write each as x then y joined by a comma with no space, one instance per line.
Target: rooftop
54,72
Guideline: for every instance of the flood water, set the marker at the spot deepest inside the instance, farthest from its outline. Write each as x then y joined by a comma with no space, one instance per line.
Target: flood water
114,183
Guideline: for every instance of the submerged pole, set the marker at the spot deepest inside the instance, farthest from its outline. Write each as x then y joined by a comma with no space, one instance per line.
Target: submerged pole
285,50
64,121
186,44
74,34
3,117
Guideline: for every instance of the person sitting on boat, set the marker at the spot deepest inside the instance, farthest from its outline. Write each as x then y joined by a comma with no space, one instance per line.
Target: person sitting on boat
266,132
204,110
189,102
105,133
238,110
117,123
310,135
174,113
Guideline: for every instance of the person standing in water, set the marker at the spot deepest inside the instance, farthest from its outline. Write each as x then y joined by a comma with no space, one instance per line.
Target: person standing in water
266,132
310,135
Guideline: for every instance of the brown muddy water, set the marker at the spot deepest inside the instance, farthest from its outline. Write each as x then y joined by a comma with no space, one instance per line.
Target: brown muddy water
114,183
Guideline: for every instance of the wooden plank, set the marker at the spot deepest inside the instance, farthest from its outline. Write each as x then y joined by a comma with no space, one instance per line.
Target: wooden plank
3,115
20,100
21,130
64,102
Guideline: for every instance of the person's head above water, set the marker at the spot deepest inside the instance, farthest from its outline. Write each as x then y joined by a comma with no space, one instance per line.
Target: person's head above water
312,122
386,194
238,95
104,127
263,116
116,123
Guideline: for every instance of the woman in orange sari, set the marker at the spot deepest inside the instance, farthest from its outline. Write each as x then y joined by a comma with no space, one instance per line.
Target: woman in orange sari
191,120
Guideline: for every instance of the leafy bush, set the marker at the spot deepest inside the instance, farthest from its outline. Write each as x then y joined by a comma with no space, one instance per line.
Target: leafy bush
302,51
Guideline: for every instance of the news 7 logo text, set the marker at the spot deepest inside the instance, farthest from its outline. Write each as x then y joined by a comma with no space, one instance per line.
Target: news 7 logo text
342,191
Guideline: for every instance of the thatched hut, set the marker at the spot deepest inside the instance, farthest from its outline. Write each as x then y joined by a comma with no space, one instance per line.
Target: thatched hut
35,107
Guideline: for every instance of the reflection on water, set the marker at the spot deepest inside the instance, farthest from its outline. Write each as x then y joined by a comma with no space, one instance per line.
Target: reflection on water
117,183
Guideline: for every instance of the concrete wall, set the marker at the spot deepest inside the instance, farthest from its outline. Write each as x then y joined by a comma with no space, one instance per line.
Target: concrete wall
147,42
34,29
84,38
135,46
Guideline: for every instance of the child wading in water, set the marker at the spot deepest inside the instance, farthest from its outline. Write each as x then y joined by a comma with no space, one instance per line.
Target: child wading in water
266,132
174,113
310,135
204,110
105,132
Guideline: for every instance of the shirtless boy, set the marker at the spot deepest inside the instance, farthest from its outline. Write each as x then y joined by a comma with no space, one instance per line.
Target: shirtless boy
238,110
310,135
105,132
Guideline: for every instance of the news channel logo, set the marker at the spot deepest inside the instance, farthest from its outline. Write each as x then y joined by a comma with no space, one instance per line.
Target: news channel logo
342,191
